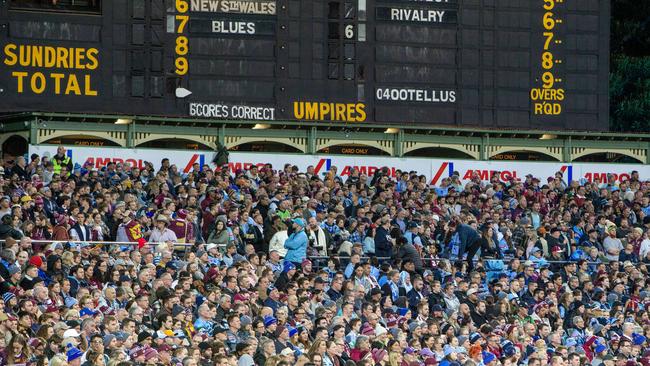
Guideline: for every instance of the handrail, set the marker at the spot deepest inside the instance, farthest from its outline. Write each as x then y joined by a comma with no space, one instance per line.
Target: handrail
103,242
439,259
424,259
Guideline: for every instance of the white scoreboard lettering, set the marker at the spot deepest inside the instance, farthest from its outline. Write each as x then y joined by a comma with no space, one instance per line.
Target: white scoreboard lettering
417,15
232,27
415,95
233,6
245,112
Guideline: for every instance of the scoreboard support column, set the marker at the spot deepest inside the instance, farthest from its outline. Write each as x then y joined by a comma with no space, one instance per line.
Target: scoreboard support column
311,141
398,144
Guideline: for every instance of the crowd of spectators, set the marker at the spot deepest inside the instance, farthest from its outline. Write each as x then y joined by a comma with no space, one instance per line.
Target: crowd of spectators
123,265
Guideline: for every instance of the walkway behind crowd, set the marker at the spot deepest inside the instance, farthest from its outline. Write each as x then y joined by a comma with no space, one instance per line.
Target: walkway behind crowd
125,266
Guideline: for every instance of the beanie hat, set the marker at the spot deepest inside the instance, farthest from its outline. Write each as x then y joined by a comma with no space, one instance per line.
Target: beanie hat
381,331
367,330
107,339
73,353
509,351
13,269
7,297
288,266
638,339
488,357
36,261
70,302
269,320
292,331
378,354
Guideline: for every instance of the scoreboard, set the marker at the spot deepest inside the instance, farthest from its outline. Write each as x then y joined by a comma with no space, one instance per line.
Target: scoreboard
517,64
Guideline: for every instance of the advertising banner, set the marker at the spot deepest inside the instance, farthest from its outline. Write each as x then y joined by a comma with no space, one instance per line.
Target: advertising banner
433,169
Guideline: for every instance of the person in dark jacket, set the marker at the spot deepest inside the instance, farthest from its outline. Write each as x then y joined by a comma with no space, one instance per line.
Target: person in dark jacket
415,294
408,252
383,241
7,259
489,248
479,314
288,271
55,268
436,297
469,242
7,230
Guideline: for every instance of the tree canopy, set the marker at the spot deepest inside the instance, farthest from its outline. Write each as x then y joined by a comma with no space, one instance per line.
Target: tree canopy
629,87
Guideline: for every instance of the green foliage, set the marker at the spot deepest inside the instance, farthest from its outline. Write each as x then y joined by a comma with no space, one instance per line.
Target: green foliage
629,91
630,28
629,86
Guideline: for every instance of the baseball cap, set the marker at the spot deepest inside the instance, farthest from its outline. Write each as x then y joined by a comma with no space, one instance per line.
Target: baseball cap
71,333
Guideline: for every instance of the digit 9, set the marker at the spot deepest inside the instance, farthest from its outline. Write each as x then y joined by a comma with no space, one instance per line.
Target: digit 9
548,80
181,66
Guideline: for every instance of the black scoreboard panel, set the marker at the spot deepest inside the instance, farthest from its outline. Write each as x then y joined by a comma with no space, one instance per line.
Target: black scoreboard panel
540,64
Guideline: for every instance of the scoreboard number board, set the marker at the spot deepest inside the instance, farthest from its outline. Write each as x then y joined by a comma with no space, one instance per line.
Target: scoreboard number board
515,64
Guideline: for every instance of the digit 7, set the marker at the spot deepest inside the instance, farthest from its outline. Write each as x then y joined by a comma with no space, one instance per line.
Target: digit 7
549,38
183,21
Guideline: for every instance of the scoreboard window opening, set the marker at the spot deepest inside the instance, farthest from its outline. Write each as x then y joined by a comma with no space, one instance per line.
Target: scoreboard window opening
86,6
334,10
350,10
343,32
361,13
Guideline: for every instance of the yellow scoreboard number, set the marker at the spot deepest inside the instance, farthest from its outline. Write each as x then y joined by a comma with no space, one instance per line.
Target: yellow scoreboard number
547,100
182,46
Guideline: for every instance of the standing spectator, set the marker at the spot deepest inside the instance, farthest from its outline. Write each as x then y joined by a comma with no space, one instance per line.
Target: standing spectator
296,243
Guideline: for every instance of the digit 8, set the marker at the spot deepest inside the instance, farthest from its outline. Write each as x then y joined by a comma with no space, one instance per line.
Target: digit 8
181,45
547,60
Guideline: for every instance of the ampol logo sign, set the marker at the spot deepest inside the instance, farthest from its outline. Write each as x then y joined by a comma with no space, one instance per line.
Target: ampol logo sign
446,166
323,163
100,157
567,172
101,161
433,169
196,158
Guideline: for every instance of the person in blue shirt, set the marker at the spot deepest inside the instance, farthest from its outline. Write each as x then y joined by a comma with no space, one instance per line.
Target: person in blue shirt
355,258
296,243
273,299
391,287
412,236
204,323
330,225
